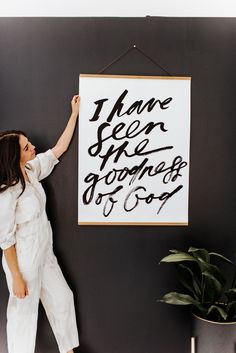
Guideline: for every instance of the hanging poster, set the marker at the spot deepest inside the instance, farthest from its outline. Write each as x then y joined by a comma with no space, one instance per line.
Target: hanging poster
134,140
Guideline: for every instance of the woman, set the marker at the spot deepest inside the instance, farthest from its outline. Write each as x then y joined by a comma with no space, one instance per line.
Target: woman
31,268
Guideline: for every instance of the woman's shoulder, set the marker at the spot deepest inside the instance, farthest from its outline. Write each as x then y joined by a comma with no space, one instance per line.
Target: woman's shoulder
42,165
8,202
12,192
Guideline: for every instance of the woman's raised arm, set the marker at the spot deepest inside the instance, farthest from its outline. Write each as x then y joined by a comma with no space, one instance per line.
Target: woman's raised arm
64,141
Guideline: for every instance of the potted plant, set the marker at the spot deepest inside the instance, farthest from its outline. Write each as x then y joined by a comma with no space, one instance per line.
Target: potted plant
209,281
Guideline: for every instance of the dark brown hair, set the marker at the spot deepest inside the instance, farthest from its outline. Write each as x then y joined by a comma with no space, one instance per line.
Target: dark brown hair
10,170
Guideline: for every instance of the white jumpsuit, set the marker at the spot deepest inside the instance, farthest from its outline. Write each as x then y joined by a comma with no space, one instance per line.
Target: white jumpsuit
23,222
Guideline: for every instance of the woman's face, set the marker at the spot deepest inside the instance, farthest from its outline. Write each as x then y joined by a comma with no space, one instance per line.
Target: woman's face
27,150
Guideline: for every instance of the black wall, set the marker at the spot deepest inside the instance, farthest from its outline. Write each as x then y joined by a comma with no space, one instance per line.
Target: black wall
114,270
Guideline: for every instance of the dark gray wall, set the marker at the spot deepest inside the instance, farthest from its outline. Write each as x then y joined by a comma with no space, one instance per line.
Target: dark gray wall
114,270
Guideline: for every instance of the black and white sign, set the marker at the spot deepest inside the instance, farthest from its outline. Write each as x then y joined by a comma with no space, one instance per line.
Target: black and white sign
134,138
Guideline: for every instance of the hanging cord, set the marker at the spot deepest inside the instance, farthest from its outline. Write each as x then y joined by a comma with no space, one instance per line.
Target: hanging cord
141,52
115,60
153,61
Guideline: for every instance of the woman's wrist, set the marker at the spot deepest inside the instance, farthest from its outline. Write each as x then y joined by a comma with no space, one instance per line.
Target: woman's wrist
74,114
16,275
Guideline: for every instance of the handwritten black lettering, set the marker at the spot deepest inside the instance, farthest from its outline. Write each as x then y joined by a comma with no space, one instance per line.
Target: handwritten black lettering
117,142
99,104
136,106
170,174
109,204
121,150
133,198
131,132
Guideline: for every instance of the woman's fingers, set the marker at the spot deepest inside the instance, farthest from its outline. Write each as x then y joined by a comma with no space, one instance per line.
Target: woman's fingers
22,292
75,104
19,295
75,98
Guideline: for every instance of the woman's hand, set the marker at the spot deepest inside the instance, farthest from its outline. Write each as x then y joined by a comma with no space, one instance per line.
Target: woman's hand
75,104
19,288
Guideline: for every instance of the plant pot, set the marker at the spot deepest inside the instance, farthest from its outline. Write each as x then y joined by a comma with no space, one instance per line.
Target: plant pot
213,337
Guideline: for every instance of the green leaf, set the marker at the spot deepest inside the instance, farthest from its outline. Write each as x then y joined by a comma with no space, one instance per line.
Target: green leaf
219,310
178,257
189,280
222,258
231,311
178,299
231,305
213,286
201,310
235,258
234,278
231,294
200,254
212,269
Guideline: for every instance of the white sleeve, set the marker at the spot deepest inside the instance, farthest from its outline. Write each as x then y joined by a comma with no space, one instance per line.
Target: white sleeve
43,164
7,219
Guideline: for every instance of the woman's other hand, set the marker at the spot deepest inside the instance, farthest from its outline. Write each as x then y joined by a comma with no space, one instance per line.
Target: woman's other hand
19,286
20,289
75,104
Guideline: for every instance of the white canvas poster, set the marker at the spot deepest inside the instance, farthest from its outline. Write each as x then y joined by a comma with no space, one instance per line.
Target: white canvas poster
134,141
